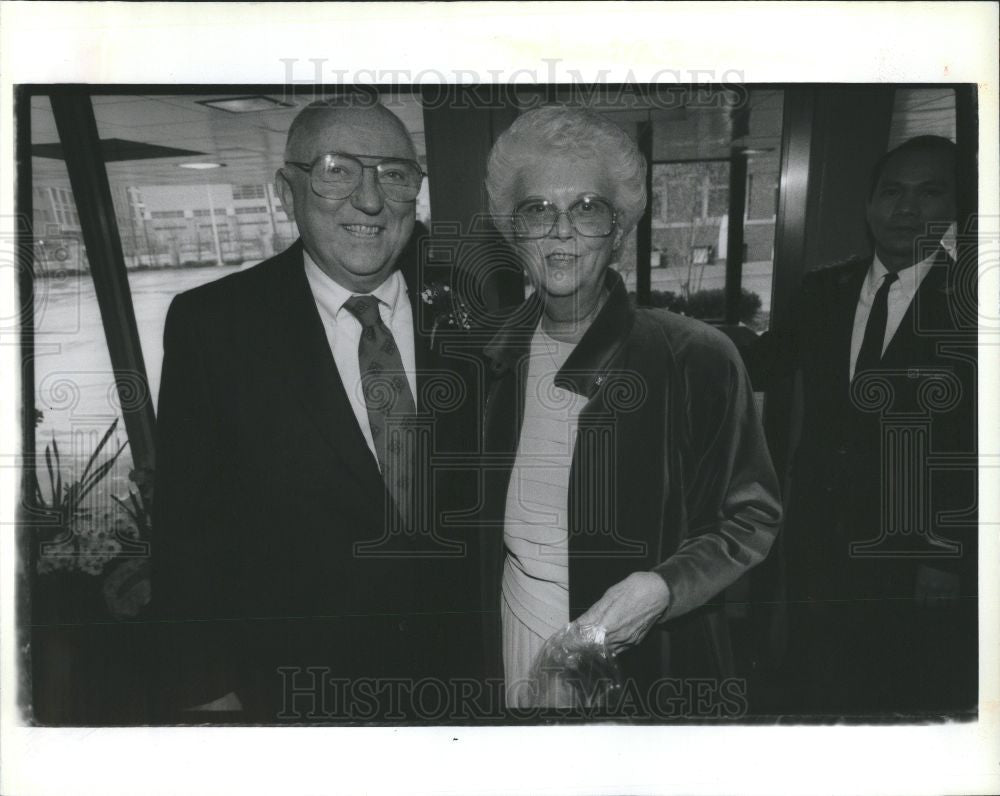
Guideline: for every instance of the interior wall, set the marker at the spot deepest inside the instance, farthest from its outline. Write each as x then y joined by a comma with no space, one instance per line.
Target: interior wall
850,131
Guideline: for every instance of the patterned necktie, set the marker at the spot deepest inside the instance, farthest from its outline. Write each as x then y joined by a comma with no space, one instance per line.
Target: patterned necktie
388,399
871,346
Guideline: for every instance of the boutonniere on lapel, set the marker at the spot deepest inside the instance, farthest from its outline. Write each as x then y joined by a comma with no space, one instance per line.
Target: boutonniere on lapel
446,307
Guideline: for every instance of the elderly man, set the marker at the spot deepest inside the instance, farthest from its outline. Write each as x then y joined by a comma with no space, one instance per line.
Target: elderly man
880,540
300,568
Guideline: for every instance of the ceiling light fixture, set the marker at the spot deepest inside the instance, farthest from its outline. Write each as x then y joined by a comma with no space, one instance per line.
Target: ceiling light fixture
253,104
201,166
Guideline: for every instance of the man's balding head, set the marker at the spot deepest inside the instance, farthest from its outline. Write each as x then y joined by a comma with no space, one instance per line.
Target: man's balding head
318,116
356,240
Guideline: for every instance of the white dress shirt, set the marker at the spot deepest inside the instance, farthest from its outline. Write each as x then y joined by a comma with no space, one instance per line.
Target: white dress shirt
901,294
343,332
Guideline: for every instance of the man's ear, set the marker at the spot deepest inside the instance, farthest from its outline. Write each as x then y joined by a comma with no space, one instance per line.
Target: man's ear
283,188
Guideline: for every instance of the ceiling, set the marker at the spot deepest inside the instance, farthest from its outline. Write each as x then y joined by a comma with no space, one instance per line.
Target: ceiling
922,111
249,144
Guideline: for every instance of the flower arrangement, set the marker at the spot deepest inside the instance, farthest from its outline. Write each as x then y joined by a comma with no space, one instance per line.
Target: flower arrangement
113,545
77,541
127,588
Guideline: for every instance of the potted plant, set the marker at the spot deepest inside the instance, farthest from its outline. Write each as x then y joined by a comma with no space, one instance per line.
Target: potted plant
75,546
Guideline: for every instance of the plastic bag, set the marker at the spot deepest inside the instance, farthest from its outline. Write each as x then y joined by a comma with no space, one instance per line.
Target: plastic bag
575,668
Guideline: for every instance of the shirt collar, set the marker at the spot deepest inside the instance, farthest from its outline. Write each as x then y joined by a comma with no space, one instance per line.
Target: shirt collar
331,295
909,278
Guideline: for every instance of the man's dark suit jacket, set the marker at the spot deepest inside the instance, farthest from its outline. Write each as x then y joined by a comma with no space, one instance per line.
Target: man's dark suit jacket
921,403
264,485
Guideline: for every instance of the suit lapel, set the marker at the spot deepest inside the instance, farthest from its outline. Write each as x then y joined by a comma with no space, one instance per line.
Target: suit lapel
299,349
926,317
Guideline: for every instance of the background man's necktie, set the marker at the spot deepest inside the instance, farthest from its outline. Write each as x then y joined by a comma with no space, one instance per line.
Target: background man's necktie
388,399
871,346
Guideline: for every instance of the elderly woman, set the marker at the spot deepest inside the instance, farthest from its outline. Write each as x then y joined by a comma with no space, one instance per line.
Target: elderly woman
630,473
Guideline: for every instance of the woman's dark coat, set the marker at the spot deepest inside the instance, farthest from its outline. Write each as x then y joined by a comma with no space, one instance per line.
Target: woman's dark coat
670,473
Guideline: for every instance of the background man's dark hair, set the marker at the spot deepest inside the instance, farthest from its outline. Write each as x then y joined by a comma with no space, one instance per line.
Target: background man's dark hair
927,143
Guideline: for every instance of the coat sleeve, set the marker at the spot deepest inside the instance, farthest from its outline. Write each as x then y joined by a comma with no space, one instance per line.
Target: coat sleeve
191,652
731,498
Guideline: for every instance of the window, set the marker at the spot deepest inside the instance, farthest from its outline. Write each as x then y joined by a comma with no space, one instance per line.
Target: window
248,211
717,204
248,192
167,214
75,393
690,192
762,197
694,147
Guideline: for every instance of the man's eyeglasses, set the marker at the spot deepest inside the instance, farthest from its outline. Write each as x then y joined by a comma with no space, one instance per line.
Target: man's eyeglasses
590,216
336,175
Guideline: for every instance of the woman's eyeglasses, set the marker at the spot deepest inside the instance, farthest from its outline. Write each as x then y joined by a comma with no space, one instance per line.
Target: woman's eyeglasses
590,216
336,175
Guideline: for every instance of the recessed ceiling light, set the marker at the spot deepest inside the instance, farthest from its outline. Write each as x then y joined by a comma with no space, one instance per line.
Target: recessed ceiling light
245,104
200,166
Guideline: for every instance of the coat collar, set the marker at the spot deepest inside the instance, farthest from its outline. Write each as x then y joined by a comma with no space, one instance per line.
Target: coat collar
931,314
586,368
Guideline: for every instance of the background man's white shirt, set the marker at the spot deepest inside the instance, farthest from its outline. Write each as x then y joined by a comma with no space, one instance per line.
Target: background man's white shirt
901,295
343,332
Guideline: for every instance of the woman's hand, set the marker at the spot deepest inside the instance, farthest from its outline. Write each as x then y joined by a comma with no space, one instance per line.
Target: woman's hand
628,609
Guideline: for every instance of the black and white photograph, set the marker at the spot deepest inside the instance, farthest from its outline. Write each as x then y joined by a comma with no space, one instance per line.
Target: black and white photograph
576,415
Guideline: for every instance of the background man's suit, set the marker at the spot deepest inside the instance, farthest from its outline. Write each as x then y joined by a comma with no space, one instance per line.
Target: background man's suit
264,484
855,631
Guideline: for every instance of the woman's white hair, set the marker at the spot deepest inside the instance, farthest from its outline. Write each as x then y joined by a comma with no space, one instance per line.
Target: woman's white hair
556,130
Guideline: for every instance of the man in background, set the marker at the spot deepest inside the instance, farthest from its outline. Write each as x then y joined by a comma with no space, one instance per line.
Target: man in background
881,543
